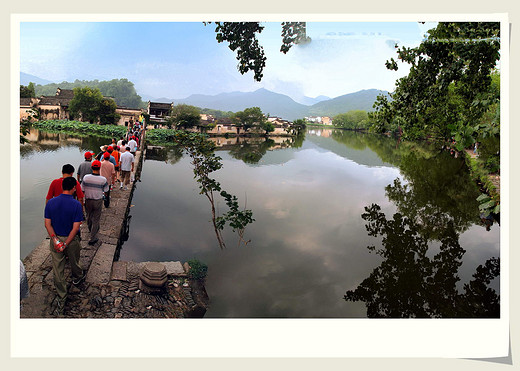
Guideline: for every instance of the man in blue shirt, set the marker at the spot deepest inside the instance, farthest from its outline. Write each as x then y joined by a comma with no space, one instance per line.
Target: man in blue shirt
63,217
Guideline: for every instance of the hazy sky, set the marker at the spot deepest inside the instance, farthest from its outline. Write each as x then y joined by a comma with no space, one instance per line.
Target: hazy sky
177,59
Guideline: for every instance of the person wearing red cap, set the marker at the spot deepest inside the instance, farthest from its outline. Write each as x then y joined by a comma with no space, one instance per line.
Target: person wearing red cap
109,172
95,187
55,188
86,166
112,159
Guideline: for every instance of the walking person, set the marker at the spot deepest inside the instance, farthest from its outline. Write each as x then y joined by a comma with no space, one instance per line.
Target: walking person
132,144
103,149
111,158
108,171
55,188
95,187
86,166
127,166
63,217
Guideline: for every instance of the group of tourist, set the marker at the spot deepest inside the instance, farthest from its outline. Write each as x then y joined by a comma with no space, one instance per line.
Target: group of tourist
67,199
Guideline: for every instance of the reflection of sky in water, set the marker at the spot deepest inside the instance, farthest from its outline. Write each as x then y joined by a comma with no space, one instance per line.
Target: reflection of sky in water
308,243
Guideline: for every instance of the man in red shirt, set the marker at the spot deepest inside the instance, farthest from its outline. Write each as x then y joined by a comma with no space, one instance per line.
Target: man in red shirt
55,189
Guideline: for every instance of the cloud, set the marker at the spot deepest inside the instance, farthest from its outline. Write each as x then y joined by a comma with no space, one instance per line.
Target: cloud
334,66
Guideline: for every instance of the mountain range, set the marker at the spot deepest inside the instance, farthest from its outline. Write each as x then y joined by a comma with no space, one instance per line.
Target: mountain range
271,103
281,105
26,78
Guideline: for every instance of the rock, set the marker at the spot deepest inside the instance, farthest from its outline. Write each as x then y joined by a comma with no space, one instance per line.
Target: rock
97,301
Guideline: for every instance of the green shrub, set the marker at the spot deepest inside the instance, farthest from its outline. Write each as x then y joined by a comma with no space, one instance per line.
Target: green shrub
198,270
489,153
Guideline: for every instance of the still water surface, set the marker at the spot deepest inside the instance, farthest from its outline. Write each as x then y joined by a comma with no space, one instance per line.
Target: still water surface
308,244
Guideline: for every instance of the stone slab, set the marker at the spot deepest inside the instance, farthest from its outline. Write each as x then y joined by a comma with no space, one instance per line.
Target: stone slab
37,257
119,271
172,268
101,266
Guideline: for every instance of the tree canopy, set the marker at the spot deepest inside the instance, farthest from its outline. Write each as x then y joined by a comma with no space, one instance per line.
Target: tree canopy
248,118
90,105
27,91
184,116
355,119
447,90
242,38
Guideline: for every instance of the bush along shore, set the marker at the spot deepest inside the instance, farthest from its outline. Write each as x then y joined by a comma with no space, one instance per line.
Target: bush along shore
78,127
489,183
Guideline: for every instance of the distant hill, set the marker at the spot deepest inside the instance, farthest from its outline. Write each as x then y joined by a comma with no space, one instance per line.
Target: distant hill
283,106
26,78
361,100
269,102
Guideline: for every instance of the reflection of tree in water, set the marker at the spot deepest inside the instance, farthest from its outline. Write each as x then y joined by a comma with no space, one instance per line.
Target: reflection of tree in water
49,141
352,139
251,153
408,283
170,154
440,191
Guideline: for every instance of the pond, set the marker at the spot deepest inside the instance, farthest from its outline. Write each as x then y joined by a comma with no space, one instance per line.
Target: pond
309,243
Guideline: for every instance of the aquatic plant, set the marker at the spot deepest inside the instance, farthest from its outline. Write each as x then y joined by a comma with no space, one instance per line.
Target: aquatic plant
108,131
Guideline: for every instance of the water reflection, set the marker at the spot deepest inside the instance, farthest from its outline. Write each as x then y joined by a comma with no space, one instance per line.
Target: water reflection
42,141
250,150
409,283
439,191
309,241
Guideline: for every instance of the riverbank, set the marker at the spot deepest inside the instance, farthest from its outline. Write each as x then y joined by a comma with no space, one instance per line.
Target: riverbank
112,289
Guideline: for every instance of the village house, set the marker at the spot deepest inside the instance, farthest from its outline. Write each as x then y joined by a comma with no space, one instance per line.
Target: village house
323,120
53,107
128,115
56,107
281,126
27,106
158,113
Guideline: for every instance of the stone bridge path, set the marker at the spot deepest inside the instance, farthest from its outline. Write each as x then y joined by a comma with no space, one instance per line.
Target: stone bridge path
111,288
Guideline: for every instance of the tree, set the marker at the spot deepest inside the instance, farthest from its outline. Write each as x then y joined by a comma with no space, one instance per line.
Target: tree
446,90
184,116
242,38
122,90
27,91
89,105
354,119
248,118
107,112
268,127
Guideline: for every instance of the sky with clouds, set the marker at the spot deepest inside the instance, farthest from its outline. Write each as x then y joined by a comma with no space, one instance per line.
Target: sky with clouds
177,59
